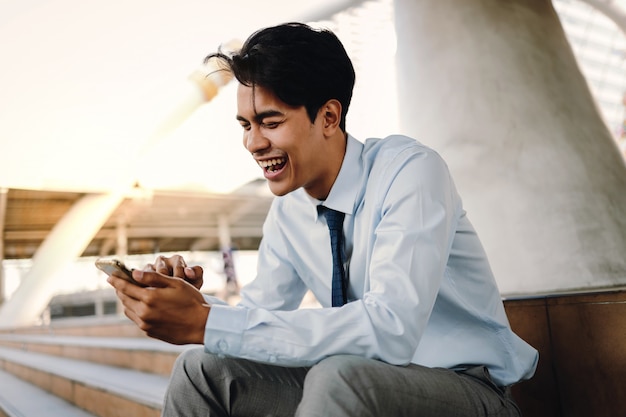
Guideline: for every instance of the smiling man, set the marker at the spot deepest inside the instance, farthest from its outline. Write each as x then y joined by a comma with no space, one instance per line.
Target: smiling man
411,323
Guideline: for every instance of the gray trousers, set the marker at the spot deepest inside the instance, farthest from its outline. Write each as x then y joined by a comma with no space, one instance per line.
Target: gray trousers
203,384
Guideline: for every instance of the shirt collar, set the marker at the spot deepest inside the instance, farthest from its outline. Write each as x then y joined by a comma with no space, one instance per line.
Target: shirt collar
343,194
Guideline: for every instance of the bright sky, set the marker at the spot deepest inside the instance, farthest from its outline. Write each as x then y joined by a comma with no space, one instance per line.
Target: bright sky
84,85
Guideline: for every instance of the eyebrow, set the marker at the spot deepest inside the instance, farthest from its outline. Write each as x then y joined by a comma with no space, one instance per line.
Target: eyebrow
260,116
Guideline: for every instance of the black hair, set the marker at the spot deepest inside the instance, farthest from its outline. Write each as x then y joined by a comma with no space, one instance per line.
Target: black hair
302,66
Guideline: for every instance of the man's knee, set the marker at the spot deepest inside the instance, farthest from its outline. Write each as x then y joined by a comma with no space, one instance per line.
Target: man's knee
187,365
335,372
335,386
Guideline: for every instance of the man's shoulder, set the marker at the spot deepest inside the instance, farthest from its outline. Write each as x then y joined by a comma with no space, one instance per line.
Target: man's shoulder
393,146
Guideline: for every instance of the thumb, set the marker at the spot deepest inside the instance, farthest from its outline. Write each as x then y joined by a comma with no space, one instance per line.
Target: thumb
151,278
193,275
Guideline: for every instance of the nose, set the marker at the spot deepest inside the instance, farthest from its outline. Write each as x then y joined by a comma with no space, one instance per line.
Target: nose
254,141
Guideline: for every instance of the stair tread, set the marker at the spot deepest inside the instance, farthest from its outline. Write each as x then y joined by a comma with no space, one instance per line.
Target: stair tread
127,343
22,399
142,387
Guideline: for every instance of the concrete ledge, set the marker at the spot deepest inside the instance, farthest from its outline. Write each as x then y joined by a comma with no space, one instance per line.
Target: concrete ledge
142,354
102,326
99,389
21,399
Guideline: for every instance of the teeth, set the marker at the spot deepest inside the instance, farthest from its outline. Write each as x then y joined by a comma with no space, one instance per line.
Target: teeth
271,162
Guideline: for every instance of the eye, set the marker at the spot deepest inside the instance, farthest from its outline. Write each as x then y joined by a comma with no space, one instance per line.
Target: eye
270,125
245,126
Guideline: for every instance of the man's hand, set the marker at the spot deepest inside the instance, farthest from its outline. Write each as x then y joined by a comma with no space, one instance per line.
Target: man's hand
177,267
170,308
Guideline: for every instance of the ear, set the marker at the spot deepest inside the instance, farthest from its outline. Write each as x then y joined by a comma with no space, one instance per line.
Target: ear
331,116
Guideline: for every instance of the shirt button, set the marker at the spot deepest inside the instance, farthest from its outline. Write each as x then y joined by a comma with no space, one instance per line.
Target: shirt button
272,358
222,345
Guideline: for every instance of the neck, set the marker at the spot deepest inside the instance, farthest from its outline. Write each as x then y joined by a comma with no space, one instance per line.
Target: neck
336,153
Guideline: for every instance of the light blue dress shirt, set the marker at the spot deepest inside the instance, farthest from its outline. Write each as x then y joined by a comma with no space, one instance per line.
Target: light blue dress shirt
420,286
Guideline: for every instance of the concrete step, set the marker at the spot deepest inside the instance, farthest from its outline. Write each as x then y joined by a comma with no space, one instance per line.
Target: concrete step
99,326
105,391
141,354
21,399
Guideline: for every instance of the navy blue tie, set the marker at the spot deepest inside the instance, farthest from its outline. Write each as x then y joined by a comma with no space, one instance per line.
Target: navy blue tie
334,219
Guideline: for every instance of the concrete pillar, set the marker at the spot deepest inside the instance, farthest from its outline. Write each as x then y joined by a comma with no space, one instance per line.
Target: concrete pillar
494,86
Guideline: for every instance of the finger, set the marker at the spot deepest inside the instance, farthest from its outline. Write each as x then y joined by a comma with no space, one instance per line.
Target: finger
170,266
132,314
161,266
190,272
193,275
179,266
152,279
196,271
124,288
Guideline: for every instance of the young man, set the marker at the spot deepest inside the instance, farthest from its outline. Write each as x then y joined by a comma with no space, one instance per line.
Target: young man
411,323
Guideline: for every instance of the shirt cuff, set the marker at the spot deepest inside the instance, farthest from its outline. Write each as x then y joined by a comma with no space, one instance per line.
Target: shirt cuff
224,329
212,300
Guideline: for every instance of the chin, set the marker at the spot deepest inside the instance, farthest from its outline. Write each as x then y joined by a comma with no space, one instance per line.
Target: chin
279,190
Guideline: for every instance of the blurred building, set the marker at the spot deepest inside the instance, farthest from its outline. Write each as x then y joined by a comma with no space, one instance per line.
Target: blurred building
600,48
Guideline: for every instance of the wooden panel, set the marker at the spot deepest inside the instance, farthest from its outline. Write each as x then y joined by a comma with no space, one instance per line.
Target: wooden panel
539,396
589,345
581,339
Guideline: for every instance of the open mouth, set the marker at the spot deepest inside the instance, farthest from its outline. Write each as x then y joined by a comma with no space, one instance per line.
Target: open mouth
272,165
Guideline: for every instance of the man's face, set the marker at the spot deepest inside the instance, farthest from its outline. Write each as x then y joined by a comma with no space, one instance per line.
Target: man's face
287,146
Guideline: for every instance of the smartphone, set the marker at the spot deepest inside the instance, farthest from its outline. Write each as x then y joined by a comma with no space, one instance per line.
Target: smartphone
114,266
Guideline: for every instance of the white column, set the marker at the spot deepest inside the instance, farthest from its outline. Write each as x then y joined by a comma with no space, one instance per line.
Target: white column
494,87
